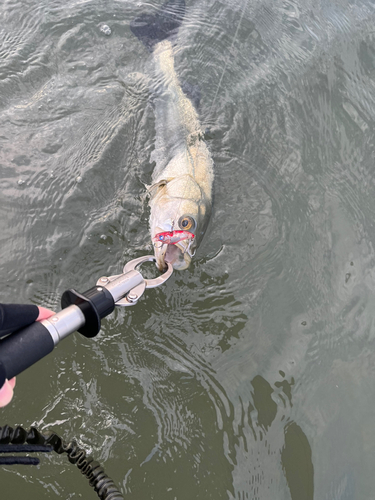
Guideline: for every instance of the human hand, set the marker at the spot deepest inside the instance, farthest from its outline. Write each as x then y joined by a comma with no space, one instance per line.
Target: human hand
6,391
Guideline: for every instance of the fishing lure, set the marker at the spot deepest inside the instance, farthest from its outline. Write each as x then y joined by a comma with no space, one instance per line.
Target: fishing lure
173,237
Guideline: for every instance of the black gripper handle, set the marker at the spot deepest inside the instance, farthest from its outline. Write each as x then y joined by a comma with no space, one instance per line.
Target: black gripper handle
22,349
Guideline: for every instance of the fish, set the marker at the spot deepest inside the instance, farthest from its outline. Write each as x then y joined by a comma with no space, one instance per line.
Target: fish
180,197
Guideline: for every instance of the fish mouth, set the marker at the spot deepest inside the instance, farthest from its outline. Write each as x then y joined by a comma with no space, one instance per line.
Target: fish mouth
176,255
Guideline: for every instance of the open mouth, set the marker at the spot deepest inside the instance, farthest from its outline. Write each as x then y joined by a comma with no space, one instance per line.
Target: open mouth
176,254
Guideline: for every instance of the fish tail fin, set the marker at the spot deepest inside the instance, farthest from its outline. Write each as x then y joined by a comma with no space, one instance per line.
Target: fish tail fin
152,29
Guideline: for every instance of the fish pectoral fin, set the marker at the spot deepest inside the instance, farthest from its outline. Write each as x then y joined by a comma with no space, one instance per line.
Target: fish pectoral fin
152,190
193,92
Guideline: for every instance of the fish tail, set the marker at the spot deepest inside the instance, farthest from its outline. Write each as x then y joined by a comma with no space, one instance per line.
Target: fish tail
152,29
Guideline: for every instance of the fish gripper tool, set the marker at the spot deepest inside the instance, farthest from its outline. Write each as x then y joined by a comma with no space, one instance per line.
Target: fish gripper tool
80,312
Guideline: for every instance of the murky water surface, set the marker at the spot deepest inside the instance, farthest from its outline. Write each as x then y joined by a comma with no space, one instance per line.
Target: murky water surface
252,374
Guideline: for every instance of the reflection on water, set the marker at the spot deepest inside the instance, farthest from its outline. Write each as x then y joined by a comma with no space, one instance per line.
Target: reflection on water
250,375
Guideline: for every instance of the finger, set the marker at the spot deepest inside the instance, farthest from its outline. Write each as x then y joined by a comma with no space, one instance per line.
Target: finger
44,313
12,382
6,394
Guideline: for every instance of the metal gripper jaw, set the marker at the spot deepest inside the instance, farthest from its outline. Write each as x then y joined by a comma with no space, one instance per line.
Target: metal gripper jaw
131,269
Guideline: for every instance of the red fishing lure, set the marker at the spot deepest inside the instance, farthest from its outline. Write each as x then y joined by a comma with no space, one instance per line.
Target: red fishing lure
173,237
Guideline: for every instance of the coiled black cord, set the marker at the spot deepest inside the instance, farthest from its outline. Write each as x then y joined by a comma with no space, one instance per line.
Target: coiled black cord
98,479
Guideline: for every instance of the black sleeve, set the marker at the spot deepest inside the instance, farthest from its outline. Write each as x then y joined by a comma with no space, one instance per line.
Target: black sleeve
15,316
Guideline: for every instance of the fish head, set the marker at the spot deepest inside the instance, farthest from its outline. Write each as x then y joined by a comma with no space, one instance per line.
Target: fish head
170,213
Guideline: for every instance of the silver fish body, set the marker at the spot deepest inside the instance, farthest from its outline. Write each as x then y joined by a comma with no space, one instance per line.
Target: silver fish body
183,176
181,191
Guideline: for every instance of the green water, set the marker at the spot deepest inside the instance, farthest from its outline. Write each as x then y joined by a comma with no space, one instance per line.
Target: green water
251,374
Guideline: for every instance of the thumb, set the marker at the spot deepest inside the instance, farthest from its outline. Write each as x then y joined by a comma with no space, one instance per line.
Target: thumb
6,393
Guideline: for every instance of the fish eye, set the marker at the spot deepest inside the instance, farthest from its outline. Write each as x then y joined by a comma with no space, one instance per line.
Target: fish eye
187,223
161,237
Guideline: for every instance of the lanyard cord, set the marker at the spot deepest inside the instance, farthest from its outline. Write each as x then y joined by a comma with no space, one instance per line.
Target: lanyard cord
19,440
